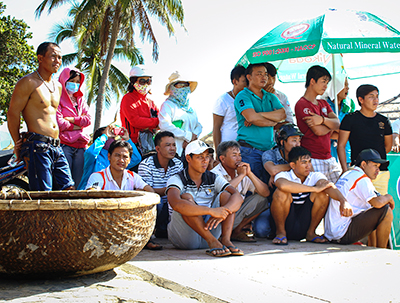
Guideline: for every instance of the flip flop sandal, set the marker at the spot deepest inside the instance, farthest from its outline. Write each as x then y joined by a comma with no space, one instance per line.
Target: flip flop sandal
154,247
281,241
224,254
244,237
321,238
235,251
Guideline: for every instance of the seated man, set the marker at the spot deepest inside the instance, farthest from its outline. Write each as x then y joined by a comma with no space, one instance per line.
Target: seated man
276,160
156,170
365,210
117,177
96,156
300,200
240,176
201,201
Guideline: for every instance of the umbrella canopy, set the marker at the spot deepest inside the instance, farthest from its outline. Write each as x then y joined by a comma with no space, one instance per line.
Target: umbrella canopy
295,46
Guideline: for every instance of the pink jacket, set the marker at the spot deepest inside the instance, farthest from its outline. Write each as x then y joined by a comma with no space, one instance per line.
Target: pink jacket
69,136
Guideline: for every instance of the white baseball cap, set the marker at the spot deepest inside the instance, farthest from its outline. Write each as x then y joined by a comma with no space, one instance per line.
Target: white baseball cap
197,147
136,71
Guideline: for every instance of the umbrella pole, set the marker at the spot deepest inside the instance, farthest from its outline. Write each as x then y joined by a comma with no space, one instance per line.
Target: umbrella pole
334,86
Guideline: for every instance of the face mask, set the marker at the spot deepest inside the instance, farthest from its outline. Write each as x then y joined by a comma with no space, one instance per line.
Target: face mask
72,87
141,89
180,97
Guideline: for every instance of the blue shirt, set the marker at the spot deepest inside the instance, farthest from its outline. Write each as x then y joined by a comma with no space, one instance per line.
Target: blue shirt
96,159
260,137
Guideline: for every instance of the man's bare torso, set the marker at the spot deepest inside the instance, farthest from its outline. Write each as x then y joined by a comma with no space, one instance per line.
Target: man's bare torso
41,107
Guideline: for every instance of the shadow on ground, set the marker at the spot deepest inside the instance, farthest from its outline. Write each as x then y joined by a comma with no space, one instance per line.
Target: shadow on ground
18,288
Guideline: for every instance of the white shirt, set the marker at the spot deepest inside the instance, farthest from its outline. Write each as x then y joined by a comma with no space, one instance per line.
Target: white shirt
105,180
396,126
358,190
170,112
311,180
285,103
224,106
243,187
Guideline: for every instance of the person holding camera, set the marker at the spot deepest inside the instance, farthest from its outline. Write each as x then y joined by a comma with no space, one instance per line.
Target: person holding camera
96,156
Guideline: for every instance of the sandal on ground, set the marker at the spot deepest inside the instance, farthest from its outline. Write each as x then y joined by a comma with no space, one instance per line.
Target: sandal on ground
222,249
235,251
243,236
282,241
314,240
152,246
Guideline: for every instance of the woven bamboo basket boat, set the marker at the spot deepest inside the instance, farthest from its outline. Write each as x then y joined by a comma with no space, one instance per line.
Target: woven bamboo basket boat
72,233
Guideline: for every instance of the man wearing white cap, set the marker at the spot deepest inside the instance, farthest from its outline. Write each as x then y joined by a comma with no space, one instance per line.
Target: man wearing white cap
365,210
201,200
139,114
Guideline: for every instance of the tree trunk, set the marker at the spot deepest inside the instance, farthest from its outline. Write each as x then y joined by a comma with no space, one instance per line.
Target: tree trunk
107,65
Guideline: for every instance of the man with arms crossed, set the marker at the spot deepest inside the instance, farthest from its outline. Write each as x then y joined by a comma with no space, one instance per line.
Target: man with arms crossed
257,112
156,170
316,121
201,200
37,96
365,210
240,176
301,199
224,116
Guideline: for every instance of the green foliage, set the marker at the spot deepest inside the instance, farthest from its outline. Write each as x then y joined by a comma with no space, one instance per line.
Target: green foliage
88,56
17,58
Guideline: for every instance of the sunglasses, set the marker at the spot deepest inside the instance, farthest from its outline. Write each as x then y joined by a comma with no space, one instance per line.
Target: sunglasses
145,81
181,84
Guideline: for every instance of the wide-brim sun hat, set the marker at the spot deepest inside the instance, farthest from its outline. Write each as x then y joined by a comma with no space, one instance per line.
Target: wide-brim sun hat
137,71
176,77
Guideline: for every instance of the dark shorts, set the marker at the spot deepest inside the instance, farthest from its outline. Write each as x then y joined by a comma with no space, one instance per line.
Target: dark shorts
46,163
363,224
298,220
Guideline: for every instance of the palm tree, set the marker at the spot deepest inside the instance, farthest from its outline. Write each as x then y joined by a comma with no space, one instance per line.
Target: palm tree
118,19
88,59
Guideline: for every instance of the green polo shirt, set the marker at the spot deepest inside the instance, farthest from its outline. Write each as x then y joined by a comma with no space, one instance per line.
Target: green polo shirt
260,137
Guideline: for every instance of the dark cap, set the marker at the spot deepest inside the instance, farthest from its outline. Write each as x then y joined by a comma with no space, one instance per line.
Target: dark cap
369,155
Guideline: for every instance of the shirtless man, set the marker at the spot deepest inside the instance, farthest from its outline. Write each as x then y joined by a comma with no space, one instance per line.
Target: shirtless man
37,96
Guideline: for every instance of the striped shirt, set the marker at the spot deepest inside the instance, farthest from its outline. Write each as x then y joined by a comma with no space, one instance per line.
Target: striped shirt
155,175
311,180
211,185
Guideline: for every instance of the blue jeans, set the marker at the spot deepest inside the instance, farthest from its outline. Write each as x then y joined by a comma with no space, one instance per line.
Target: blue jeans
262,224
75,160
253,156
47,166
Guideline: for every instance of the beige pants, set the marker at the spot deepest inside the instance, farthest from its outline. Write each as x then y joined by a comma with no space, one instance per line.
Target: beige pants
381,183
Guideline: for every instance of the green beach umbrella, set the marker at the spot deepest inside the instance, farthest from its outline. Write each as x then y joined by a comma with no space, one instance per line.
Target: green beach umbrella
295,46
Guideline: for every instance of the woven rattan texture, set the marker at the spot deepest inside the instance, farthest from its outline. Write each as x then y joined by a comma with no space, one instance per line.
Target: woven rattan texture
72,242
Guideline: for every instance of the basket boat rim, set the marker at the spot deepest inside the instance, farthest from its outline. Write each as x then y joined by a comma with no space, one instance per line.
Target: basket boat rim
78,200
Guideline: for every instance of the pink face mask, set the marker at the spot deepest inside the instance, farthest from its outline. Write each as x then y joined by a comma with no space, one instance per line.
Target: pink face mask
141,89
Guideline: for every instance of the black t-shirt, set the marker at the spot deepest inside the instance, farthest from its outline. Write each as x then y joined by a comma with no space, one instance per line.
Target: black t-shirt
367,132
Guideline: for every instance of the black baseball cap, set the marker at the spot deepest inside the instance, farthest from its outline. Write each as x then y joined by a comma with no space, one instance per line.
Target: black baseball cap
369,155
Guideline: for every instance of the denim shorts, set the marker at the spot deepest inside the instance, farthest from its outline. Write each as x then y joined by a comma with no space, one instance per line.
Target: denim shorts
47,166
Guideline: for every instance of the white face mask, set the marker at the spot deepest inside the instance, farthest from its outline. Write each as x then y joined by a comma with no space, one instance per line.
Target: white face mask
72,87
